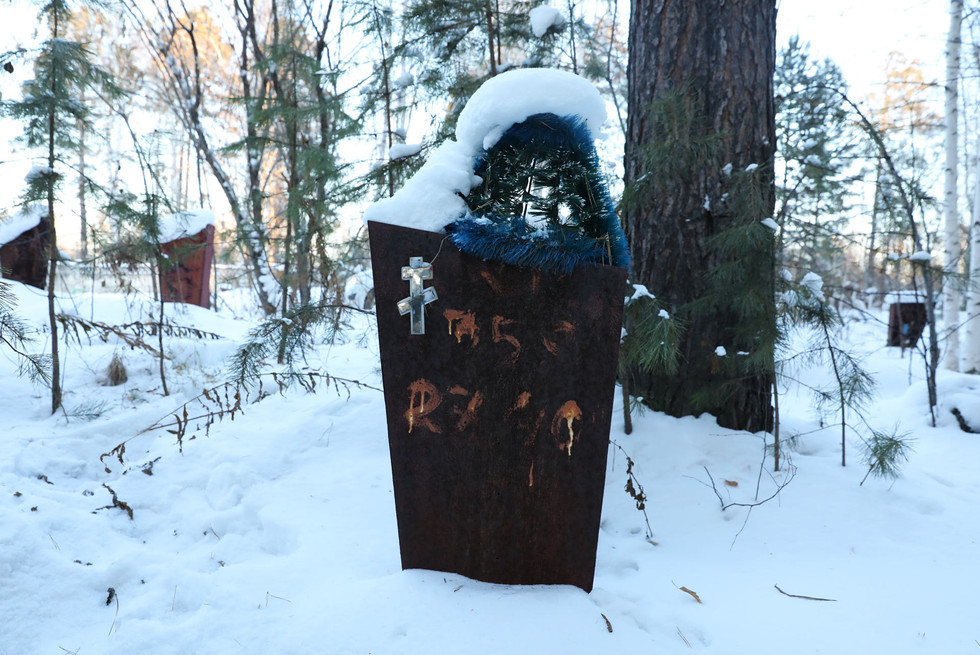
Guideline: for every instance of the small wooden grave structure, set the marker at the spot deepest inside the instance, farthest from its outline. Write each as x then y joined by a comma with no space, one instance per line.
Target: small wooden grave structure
906,321
187,249
25,246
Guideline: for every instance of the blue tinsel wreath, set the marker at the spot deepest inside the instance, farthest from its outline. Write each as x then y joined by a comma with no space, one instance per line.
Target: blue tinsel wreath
591,235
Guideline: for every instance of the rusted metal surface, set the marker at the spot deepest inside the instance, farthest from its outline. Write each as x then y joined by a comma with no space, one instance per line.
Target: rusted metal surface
906,321
498,416
25,258
187,277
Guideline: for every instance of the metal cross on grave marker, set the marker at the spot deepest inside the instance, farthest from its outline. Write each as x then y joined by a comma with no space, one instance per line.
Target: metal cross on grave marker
419,296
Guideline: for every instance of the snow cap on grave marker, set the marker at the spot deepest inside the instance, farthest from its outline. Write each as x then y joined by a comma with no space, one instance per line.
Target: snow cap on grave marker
22,221
184,224
512,97
431,199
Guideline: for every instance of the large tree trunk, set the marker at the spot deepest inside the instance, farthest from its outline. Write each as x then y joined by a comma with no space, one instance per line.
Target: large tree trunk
722,56
951,286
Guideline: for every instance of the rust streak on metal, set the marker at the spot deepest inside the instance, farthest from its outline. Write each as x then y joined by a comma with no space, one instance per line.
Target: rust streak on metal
568,413
566,327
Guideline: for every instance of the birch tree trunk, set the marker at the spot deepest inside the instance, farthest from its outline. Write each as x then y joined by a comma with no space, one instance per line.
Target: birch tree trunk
972,355
971,358
951,287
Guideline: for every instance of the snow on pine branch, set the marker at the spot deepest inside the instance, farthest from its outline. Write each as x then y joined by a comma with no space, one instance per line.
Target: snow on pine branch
543,18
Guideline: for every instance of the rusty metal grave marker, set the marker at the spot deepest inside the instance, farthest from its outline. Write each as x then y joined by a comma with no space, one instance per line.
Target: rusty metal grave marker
498,415
26,257
906,321
188,278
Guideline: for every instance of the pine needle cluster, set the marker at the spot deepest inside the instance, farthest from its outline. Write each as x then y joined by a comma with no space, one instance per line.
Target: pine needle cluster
286,338
884,454
651,336
15,337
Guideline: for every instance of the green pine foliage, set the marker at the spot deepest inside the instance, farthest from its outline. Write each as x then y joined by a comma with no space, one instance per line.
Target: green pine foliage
651,337
843,402
52,111
62,69
297,114
456,46
884,454
818,145
15,337
286,338
678,148
738,288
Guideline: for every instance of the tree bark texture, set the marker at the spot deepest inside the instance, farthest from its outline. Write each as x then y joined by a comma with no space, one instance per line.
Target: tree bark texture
54,255
724,55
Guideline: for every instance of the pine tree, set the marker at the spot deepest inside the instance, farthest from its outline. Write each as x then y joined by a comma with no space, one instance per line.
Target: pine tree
817,144
179,44
695,222
456,46
305,125
52,110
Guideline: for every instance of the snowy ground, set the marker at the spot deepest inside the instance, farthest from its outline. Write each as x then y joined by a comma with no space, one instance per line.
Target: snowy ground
276,532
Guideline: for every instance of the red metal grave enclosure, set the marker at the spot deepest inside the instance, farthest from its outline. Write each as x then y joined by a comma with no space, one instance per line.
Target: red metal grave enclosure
499,414
26,257
187,278
906,321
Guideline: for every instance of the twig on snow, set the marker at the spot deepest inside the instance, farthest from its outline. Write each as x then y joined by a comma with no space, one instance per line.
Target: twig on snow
826,600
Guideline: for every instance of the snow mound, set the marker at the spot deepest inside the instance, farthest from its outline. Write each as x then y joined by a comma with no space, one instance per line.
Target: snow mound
406,79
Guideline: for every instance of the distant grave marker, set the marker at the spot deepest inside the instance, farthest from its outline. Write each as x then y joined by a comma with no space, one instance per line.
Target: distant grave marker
25,241
906,321
185,275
